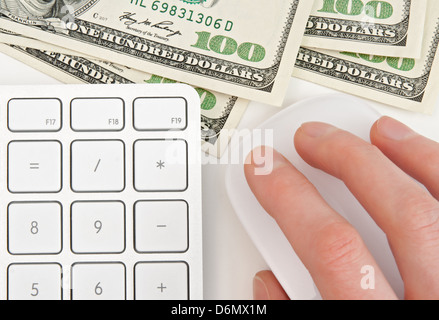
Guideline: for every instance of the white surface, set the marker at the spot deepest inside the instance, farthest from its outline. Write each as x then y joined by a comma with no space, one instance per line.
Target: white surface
230,258
342,111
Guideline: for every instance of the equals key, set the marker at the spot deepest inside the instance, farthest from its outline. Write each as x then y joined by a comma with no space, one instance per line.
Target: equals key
34,166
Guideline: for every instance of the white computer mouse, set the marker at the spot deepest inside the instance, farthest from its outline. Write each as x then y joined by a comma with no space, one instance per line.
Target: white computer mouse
345,112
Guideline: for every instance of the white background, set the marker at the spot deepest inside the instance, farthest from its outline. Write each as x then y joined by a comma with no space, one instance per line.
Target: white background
230,259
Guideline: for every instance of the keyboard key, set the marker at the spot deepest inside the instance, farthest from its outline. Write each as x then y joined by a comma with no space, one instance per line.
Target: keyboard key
98,281
160,165
161,226
105,114
98,166
172,115
34,166
34,228
161,281
34,115
34,282
98,227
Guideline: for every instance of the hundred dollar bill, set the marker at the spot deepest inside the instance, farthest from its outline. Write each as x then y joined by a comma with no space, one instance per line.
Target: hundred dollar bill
222,45
9,37
219,112
407,83
389,28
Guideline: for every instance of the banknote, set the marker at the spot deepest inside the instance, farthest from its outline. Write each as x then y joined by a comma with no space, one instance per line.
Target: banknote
223,45
220,113
407,83
8,37
389,28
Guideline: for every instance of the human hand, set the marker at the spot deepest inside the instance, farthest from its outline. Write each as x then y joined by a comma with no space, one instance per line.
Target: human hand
380,175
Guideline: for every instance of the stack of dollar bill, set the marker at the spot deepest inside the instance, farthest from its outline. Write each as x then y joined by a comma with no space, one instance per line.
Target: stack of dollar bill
234,51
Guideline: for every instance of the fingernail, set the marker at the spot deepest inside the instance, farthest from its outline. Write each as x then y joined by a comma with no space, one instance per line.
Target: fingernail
394,130
260,291
265,160
317,129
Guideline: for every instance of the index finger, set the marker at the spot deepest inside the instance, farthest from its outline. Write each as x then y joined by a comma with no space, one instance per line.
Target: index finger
330,248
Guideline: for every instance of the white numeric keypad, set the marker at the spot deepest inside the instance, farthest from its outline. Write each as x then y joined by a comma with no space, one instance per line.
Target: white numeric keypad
101,192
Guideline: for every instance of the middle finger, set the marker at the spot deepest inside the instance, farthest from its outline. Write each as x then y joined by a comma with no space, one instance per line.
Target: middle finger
330,248
405,211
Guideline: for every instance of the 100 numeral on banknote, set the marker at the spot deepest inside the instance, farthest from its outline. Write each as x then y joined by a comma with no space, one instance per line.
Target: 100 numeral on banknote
227,47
